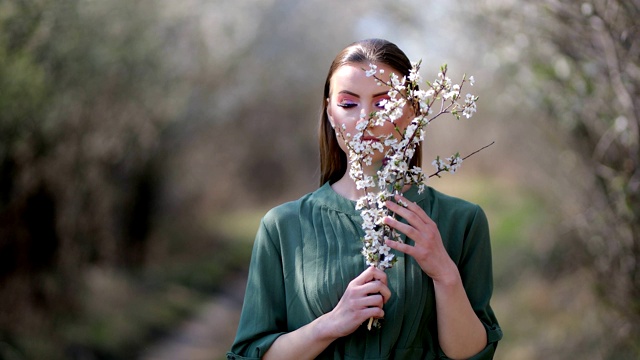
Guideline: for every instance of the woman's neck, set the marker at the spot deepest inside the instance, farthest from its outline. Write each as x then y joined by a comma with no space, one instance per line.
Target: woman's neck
346,187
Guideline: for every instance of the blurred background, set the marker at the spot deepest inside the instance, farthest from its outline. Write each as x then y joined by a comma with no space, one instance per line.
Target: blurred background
142,141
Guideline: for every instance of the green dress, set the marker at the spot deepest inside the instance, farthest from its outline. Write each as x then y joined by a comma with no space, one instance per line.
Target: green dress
307,251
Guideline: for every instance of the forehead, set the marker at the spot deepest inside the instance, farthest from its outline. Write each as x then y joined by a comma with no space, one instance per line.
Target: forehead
352,76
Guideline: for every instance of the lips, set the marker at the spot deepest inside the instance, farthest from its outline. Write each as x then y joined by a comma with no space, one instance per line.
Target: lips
370,138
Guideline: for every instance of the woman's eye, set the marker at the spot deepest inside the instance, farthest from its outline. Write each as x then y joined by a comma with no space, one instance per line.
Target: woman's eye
347,105
380,104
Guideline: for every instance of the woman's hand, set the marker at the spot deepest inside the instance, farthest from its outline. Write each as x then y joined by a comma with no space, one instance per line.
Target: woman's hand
364,297
428,250
460,332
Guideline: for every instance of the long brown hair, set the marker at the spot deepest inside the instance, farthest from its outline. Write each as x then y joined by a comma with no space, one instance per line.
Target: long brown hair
333,161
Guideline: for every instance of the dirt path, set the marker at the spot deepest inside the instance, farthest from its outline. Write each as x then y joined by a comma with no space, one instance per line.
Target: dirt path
209,334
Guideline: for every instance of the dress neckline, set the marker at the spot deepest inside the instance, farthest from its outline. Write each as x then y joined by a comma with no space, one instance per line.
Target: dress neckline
327,196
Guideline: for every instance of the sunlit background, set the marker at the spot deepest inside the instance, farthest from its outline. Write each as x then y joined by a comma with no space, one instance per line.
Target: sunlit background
142,141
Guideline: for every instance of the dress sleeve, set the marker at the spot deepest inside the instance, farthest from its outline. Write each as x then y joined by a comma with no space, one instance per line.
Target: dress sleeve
263,318
477,277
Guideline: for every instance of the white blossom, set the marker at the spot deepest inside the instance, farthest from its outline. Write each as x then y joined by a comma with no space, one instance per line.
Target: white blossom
372,70
405,93
470,106
414,75
455,161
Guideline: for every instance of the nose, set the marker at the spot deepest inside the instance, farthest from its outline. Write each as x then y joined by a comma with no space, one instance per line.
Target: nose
363,114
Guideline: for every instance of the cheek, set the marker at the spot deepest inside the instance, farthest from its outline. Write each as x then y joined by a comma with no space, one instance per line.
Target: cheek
339,130
402,123
405,122
342,121
341,142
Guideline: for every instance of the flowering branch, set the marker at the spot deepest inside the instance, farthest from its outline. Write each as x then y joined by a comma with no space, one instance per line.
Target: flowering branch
395,172
454,162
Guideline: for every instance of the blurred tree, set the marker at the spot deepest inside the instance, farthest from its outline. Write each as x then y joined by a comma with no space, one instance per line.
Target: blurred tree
579,61
80,118
94,172
255,76
88,89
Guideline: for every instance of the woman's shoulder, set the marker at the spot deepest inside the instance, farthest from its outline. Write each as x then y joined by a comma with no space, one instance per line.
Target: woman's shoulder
448,199
282,213
448,205
324,199
289,210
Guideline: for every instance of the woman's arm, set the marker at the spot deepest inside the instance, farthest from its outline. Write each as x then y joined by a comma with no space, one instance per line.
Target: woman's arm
460,331
363,299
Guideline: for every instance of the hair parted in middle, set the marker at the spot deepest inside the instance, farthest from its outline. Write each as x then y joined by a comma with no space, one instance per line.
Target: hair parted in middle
333,161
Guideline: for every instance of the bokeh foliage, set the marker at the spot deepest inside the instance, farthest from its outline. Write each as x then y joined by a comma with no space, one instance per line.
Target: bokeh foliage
80,121
124,127
577,64
127,127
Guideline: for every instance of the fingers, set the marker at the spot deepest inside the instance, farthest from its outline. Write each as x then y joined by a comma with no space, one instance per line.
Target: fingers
369,304
357,304
371,287
378,288
370,274
405,248
371,300
373,281
419,225
412,212
411,231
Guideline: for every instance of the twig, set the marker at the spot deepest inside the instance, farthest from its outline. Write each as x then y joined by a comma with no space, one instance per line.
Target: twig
437,173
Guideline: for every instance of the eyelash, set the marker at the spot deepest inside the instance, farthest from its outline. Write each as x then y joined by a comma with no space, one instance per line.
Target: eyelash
347,105
350,105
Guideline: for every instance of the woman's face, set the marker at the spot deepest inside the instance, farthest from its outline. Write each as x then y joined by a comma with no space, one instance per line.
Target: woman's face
352,93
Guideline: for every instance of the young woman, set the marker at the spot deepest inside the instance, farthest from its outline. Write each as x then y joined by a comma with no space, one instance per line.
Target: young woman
309,293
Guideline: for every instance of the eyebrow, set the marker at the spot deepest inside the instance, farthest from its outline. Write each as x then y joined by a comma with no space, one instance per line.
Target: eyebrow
356,95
